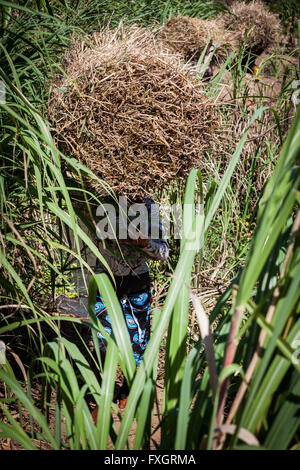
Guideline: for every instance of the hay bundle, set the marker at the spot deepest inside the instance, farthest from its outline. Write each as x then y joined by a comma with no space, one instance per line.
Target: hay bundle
252,24
130,112
189,37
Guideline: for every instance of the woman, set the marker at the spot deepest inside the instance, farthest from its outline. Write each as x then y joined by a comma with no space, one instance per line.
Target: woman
128,260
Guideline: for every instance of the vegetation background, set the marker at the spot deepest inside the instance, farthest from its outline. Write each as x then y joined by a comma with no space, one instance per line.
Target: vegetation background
228,361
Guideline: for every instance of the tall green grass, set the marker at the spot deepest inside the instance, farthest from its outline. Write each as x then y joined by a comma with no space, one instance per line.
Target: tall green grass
265,303
239,384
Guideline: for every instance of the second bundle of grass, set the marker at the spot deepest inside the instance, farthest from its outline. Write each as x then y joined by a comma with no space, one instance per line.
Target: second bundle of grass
252,24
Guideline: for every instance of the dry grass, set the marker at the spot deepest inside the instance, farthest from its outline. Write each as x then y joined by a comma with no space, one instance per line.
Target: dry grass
252,24
132,113
190,36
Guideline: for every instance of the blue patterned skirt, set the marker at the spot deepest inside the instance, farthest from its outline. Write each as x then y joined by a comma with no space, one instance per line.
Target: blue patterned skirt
136,311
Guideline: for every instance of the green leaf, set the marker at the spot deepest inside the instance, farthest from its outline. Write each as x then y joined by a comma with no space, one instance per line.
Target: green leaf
286,423
35,413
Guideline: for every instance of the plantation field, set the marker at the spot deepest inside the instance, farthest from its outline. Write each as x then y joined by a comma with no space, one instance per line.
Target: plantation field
196,105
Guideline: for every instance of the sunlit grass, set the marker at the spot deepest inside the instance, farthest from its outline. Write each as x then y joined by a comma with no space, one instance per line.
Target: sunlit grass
250,256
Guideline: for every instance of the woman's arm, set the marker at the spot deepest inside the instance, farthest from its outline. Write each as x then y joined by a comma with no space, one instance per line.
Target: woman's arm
155,249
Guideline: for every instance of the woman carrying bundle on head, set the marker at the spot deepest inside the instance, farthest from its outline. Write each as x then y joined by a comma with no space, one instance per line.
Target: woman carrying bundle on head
130,104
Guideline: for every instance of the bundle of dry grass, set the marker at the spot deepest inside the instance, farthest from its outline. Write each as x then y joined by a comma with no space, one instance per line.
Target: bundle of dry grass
252,24
190,36
131,113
